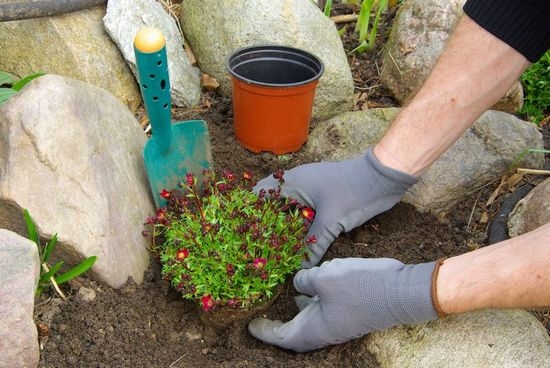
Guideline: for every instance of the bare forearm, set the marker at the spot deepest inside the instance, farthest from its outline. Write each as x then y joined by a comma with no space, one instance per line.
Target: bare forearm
511,274
473,73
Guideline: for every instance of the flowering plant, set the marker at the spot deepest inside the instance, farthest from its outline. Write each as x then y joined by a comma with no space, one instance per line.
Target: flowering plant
220,243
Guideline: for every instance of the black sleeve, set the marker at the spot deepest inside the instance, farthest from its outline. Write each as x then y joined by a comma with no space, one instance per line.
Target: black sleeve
522,24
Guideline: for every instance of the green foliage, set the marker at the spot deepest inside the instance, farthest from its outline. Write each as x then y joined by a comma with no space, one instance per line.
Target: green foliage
328,8
367,36
10,84
522,154
48,275
536,86
226,245
366,30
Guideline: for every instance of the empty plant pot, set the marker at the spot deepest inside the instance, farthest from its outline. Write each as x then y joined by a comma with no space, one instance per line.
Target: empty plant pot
273,91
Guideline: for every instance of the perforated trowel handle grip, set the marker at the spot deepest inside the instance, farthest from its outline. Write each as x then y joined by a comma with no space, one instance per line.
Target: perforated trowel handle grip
154,82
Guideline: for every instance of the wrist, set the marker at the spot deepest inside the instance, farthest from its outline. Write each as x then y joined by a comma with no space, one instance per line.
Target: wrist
388,172
388,159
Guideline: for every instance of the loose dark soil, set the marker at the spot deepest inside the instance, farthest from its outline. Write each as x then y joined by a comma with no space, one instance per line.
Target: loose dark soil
149,325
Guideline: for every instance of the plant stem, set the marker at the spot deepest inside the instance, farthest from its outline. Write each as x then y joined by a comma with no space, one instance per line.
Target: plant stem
533,171
54,283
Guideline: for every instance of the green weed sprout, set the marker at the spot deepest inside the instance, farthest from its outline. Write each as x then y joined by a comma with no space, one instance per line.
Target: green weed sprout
366,31
48,275
514,165
328,8
367,37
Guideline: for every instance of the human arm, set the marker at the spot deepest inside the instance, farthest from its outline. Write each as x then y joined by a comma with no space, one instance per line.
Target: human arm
354,297
461,87
514,273
473,73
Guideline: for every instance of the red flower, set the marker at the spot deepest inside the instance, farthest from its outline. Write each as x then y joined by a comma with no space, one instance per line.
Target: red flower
278,175
182,254
311,240
207,303
228,175
162,216
161,213
259,263
165,194
248,175
206,226
308,213
230,269
190,179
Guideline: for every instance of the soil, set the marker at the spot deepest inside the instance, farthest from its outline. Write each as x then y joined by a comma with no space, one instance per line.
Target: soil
150,325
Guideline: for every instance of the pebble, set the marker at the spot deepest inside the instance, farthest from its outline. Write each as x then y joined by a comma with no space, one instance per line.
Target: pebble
86,294
193,335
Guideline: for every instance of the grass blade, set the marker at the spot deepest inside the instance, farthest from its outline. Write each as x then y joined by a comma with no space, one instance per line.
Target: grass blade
362,24
49,248
45,277
31,228
78,270
23,82
372,38
328,8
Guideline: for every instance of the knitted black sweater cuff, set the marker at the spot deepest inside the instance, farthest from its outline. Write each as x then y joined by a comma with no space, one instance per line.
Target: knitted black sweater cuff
524,25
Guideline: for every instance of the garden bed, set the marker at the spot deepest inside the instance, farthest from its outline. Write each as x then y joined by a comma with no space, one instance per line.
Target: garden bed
150,325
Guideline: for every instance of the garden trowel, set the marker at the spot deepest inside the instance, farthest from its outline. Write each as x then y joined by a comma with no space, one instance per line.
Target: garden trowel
174,149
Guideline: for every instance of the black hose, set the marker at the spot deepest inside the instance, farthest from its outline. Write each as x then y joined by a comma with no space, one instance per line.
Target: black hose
498,230
43,8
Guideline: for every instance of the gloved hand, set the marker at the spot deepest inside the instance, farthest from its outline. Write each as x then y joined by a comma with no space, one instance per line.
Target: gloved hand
353,297
344,195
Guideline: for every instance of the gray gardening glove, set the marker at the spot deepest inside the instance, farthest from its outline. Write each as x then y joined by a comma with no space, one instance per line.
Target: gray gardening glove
350,298
344,195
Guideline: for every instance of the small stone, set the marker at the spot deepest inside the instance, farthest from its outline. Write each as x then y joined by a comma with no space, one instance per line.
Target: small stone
193,335
86,294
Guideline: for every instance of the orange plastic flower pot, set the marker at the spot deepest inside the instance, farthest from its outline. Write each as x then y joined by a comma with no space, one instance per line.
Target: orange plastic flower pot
273,92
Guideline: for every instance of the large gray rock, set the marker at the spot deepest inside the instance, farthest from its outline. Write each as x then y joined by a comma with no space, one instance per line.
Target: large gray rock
74,45
125,18
215,28
419,34
481,155
19,272
349,134
532,211
488,339
71,154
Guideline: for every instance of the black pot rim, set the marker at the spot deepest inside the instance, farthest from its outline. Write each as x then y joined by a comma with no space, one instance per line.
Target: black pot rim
313,60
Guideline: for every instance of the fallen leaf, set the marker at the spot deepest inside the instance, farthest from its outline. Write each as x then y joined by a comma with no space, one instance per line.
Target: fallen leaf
208,82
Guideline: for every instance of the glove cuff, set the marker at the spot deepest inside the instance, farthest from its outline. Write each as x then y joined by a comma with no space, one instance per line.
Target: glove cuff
435,300
396,176
412,294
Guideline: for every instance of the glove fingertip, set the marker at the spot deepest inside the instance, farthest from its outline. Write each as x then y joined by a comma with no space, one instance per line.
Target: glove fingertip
265,330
